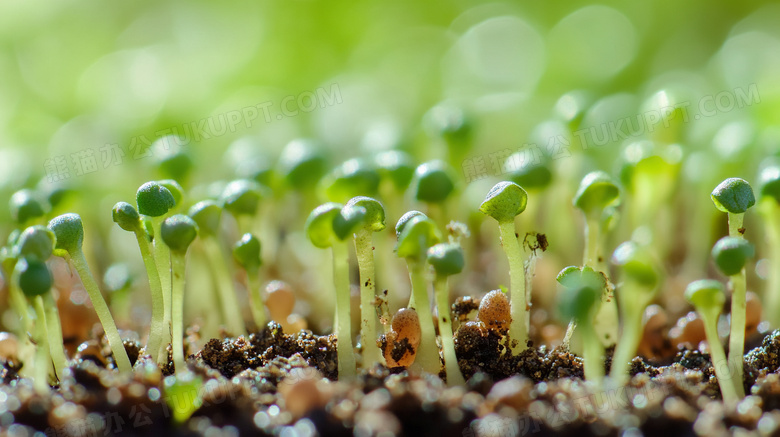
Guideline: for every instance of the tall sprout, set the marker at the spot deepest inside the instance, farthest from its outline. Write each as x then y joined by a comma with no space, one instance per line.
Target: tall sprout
447,259
769,208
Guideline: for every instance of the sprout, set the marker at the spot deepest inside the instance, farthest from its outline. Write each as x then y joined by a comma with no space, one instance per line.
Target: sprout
172,160
707,296
35,280
528,175
450,123
176,190
769,208
302,164
354,177
25,206
580,303
36,242
208,215
433,183
734,196
597,191
447,259
178,232
69,232
417,235
731,254
572,278
373,221
247,253
397,167
640,282
241,198
129,220
503,202
327,226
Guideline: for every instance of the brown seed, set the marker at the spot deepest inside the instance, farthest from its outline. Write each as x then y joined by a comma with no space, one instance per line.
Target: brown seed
689,331
654,341
494,311
399,346
753,316
9,347
406,324
300,391
280,300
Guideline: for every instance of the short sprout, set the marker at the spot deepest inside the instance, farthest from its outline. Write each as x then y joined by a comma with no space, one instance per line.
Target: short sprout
178,232
637,263
34,277
770,182
504,201
176,190
596,192
446,258
242,197
375,213
25,206
349,220
433,182
247,252
733,195
319,225
449,122
731,254
154,200
417,236
579,303
36,242
302,164
69,232
706,295
399,226
354,177
126,216
173,161
396,166
207,214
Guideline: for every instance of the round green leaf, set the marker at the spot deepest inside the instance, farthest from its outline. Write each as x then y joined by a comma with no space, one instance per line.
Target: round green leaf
34,277
375,212
417,236
706,295
637,263
25,205
446,258
352,178
504,201
399,226
319,225
733,195
154,200
596,192
575,277
69,232
529,176
770,182
242,197
178,232
433,182
247,252
207,214
396,166
579,303
348,221
176,190
172,159
731,254
126,217
36,242
302,164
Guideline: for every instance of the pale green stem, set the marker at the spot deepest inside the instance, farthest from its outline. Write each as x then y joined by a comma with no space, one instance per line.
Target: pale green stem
518,332
735,224
772,292
19,304
103,313
162,258
737,336
54,328
427,356
567,337
256,298
451,367
631,311
591,257
42,358
177,310
231,310
718,359
593,354
347,367
156,331
364,250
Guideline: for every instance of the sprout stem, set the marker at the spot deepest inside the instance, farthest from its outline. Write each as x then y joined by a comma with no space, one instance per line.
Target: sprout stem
256,298
591,257
451,367
231,311
519,310
54,328
737,336
629,337
347,367
156,331
364,250
428,352
177,310
114,340
18,302
42,348
718,358
735,224
593,352
162,258
772,293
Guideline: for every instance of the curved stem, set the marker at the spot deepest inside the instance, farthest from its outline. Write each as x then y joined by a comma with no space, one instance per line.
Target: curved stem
519,307
104,315
347,367
719,363
737,336
54,328
451,367
256,298
593,354
428,352
364,250
156,333
231,310
42,360
630,336
177,310
162,258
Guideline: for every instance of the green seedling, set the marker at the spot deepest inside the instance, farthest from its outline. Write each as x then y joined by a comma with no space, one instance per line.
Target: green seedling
639,286
208,215
35,280
302,164
328,226
707,296
69,232
129,220
354,177
447,259
176,191
572,278
247,253
530,176
769,208
241,198
178,232
26,207
433,184
450,123
396,167
734,196
417,234
173,162
579,303
504,202
374,221
731,255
